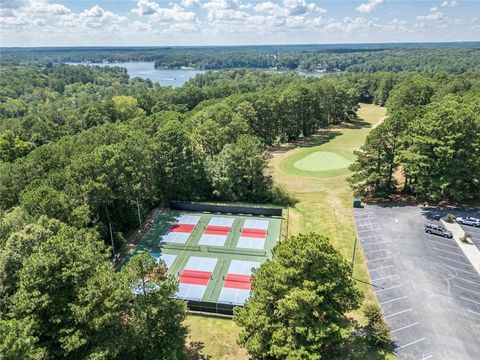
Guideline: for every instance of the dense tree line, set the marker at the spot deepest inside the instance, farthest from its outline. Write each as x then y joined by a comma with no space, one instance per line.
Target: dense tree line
450,57
82,147
429,145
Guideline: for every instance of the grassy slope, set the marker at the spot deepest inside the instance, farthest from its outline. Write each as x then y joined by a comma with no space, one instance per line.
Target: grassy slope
325,206
325,203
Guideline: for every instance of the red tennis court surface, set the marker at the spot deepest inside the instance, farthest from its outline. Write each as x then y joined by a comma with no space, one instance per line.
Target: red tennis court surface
195,277
183,228
254,233
237,281
217,230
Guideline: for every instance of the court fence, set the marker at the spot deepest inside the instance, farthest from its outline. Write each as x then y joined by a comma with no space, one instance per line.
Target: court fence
230,209
211,307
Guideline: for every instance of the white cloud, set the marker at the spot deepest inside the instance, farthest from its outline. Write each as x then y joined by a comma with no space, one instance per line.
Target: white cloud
369,6
146,7
153,10
299,7
433,9
222,4
191,3
430,17
449,3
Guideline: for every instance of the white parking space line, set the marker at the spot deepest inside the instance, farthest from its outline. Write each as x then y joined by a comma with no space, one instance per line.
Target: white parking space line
405,327
461,270
470,281
369,236
392,300
461,287
376,243
398,313
385,277
473,301
413,342
450,252
389,288
383,258
383,267
473,312
427,357
446,258
442,244
374,251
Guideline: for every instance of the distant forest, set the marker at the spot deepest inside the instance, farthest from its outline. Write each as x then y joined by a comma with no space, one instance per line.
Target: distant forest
430,57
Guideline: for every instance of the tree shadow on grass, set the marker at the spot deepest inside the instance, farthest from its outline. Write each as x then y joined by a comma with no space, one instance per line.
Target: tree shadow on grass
194,349
317,139
356,124
357,346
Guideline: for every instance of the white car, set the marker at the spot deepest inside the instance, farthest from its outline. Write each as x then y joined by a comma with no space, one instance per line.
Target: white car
469,221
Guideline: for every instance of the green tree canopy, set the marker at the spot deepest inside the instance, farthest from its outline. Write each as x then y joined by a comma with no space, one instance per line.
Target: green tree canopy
299,302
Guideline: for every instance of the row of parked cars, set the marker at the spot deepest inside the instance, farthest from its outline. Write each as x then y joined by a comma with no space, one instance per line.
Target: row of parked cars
440,230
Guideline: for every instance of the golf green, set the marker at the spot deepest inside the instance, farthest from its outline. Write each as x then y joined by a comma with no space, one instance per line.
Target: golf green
322,161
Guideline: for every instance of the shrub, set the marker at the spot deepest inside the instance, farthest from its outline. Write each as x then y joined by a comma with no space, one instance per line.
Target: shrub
372,313
465,238
379,334
378,330
450,218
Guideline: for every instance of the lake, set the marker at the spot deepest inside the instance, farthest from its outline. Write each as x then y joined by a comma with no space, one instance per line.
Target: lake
171,77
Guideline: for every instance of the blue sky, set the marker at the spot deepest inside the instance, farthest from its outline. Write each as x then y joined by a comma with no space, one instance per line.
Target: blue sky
234,22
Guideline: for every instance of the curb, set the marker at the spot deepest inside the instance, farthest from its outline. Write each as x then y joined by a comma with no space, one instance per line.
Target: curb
470,250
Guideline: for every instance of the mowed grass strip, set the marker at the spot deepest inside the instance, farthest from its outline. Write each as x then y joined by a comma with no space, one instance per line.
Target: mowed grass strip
325,199
324,206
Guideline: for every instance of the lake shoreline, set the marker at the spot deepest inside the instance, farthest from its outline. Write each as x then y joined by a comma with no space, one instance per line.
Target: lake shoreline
177,77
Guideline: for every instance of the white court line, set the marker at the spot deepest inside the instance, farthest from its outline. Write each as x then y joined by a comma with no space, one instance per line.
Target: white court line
398,313
460,287
383,267
385,277
383,258
405,327
441,244
473,312
389,288
450,252
392,300
475,302
413,342
374,251
443,257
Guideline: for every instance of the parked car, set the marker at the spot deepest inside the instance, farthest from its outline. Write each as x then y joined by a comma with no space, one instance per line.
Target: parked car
438,230
468,220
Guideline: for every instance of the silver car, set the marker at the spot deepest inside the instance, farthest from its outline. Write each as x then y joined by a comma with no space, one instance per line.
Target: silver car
468,221
438,230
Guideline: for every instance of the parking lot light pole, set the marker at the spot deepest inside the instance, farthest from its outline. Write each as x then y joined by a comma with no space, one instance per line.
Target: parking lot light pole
353,256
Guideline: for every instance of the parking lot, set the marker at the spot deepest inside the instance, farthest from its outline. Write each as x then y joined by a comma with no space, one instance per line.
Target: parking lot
428,290
474,232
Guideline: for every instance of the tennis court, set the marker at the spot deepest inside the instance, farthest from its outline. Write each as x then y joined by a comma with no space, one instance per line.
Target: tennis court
213,256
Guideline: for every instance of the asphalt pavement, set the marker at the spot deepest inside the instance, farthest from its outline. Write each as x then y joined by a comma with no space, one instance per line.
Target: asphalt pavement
428,290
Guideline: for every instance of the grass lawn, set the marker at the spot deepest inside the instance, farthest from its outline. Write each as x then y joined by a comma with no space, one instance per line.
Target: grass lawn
323,195
217,337
324,206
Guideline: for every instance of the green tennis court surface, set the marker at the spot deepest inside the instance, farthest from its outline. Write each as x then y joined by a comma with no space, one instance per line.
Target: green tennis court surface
212,255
